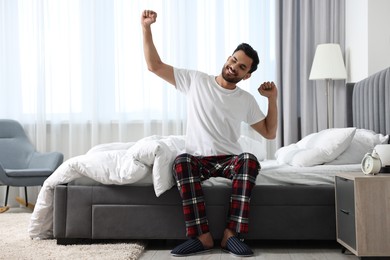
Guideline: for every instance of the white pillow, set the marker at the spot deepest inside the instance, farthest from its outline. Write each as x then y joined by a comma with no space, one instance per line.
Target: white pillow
252,146
363,142
317,148
286,153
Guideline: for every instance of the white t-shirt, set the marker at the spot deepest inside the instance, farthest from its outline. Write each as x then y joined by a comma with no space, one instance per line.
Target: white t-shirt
214,114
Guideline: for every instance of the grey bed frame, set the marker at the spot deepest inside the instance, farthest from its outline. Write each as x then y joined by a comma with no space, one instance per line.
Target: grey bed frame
296,212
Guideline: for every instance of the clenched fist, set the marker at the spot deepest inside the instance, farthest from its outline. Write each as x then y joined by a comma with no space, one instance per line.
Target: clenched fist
148,17
268,89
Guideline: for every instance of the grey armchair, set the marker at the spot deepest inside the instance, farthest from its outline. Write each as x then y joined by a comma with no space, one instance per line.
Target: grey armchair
20,164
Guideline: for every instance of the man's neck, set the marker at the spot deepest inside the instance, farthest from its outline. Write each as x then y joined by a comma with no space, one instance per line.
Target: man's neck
223,83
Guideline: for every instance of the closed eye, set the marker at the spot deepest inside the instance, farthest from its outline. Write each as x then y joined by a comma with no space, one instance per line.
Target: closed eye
242,66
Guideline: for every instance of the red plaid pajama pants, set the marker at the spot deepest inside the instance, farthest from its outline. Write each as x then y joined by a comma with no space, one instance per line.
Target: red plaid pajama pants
190,171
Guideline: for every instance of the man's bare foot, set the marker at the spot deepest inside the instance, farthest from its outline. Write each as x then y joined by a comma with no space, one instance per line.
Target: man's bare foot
207,240
228,233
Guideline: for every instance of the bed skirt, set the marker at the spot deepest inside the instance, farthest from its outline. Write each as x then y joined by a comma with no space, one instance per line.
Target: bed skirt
295,212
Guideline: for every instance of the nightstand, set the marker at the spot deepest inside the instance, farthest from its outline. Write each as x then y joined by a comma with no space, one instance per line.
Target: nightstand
363,213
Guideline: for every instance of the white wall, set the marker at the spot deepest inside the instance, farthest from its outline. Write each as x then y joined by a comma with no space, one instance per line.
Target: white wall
356,35
367,37
378,35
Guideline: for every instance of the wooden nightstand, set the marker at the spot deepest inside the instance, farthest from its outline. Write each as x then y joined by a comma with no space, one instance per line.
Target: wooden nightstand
363,213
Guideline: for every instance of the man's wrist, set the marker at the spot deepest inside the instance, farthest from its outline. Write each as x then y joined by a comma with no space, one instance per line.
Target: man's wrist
272,100
146,28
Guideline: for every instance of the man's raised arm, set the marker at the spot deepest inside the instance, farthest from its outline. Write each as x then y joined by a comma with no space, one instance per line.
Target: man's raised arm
152,58
267,127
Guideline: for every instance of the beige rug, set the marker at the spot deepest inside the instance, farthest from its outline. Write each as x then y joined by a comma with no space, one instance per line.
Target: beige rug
15,244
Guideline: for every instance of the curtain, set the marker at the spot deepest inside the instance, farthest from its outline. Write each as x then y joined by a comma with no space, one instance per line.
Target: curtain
301,26
73,72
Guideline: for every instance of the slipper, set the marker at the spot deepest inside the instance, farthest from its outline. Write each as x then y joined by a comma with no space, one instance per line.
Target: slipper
237,248
190,247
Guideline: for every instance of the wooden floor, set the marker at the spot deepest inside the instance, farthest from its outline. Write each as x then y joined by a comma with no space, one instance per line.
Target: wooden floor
269,250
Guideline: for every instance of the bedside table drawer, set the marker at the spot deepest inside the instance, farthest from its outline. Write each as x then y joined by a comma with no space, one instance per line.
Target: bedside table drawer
346,230
345,194
345,210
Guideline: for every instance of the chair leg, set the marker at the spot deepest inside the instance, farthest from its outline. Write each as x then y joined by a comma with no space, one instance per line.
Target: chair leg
24,202
25,195
6,196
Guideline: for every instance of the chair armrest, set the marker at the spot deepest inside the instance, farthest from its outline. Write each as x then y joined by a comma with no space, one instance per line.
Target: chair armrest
46,160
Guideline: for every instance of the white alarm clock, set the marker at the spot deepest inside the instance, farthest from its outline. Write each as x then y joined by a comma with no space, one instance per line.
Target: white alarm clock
371,163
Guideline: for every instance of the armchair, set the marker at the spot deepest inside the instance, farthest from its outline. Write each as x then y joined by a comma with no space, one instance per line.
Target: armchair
20,164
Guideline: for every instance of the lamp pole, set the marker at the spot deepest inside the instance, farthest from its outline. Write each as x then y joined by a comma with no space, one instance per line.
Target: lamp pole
329,92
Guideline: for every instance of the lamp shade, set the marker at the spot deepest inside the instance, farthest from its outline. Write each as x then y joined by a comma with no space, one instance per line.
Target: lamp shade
328,63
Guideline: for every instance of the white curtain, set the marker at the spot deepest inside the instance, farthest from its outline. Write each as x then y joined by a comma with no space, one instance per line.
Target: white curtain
73,72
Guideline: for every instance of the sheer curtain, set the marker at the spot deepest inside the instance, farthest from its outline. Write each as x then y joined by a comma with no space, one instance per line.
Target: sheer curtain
73,72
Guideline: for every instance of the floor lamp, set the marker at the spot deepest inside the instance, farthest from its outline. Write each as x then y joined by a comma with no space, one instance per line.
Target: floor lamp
328,64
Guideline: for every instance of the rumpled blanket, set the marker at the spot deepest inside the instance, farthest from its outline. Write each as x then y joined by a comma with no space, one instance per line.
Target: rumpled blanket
114,163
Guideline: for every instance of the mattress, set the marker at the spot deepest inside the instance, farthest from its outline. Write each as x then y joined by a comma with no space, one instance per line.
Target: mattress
283,174
271,173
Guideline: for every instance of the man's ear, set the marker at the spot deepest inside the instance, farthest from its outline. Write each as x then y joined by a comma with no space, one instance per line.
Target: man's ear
247,76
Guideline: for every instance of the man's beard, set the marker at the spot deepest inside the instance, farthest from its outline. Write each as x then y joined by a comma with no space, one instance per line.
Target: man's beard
229,78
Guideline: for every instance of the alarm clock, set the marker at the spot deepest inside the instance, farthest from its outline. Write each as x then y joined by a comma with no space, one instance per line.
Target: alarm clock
371,163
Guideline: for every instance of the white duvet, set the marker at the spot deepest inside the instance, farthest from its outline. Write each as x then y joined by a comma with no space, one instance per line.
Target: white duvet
116,163
150,160
147,160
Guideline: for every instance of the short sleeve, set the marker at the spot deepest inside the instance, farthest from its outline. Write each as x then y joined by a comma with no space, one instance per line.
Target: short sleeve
255,114
183,79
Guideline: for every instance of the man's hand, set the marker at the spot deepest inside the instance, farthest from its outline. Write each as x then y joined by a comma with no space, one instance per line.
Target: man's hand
148,17
269,90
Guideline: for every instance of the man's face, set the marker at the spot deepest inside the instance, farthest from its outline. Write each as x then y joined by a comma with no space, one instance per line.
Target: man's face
237,67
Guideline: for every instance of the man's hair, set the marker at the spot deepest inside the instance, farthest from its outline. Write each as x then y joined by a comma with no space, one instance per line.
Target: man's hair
251,53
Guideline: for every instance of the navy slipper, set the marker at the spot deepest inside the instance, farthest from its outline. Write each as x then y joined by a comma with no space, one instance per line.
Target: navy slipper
236,247
190,247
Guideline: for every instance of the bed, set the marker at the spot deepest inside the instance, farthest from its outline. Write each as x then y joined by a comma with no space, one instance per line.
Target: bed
299,207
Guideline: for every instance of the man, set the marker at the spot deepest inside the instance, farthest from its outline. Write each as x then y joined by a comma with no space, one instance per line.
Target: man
216,107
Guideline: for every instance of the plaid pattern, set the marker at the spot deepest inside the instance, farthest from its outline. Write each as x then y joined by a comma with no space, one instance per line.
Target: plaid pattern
190,171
